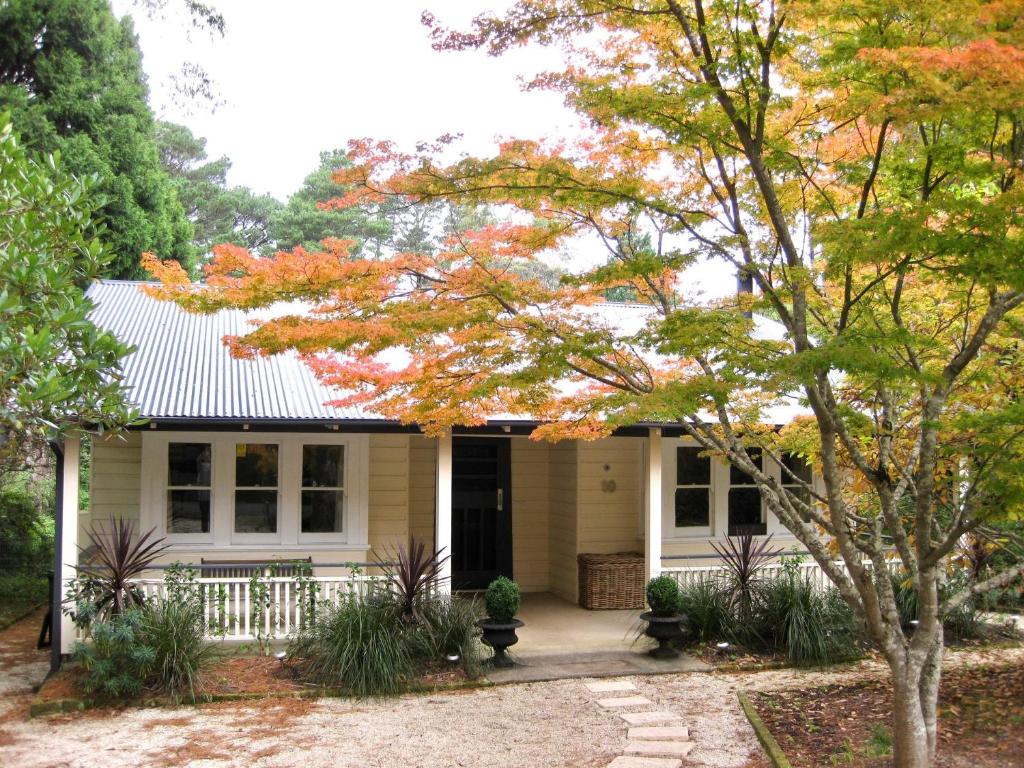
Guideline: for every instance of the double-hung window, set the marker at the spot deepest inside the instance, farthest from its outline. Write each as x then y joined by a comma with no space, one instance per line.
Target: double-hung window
322,501
189,486
797,476
691,491
746,511
256,489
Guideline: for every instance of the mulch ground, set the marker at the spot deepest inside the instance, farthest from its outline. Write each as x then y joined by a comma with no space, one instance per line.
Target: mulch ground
981,721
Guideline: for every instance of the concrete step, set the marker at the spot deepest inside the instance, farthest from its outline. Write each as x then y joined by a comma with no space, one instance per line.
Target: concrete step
632,761
625,701
660,748
607,686
660,733
650,718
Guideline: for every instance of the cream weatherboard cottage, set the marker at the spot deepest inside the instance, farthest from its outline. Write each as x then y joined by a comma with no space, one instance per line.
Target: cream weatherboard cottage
242,461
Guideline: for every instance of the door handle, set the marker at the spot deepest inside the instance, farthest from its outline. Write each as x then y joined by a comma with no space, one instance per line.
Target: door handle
501,499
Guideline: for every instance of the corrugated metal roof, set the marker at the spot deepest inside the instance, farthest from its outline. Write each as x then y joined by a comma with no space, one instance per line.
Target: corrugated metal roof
181,368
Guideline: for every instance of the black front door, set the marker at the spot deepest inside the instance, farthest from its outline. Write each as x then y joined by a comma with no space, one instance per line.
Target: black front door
481,511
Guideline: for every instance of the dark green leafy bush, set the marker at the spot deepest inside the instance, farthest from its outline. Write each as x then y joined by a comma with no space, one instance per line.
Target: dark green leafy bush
663,595
117,661
502,600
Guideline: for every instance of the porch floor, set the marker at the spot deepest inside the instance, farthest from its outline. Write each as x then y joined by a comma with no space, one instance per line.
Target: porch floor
563,640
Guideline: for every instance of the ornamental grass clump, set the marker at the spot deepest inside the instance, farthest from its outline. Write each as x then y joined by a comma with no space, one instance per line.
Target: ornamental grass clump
446,628
175,628
502,600
707,610
362,645
809,626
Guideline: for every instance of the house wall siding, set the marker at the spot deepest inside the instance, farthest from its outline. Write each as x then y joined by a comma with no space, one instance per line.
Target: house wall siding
422,487
388,493
530,505
115,481
610,494
562,520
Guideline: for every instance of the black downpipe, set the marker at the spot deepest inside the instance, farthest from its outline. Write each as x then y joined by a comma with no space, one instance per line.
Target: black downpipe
56,598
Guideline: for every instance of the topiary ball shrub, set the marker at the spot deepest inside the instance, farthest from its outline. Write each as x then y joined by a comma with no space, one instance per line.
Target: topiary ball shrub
502,600
663,596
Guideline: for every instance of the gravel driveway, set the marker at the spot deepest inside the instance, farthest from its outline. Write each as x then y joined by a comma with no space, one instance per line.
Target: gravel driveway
534,725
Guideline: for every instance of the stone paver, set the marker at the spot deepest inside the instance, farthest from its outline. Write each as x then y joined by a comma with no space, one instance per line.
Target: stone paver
607,686
660,733
625,701
632,761
660,748
649,718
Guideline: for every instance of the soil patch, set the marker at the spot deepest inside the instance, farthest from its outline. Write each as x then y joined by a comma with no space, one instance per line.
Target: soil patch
981,721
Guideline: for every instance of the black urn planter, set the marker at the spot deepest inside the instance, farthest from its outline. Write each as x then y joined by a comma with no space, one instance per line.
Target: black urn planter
500,635
664,629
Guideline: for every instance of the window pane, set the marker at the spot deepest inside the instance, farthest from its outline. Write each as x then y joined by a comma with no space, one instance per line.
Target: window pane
188,464
323,466
188,511
255,511
322,511
255,465
737,476
745,512
692,507
691,467
797,466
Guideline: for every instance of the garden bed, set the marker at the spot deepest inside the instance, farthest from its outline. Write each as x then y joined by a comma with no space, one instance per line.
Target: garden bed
227,679
981,721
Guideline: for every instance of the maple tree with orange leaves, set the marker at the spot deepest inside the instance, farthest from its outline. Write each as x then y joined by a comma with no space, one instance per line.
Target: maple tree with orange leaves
857,163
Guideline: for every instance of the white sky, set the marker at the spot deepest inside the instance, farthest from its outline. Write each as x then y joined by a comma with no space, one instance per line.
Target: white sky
304,76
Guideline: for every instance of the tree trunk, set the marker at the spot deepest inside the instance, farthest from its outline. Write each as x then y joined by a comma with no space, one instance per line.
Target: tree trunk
915,697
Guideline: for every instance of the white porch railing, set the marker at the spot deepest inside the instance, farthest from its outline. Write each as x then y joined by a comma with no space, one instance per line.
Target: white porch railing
276,608
686,575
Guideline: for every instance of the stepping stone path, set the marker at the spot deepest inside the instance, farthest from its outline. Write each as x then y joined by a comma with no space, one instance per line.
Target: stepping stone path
657,738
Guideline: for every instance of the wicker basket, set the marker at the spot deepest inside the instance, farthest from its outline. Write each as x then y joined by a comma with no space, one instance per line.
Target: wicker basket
612,582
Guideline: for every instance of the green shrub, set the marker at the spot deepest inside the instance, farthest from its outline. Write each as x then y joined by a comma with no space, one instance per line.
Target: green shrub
117,662
174,629
663,595
809,626
707,611
446,626
361,644
961,624
502,600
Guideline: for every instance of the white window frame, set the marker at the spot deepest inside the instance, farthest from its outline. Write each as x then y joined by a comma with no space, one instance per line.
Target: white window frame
238,537
719,519
163,472
356,477
355,521
668,493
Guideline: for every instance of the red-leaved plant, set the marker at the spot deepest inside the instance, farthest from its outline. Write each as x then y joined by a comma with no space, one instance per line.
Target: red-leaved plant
413,573
744,557
115,557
